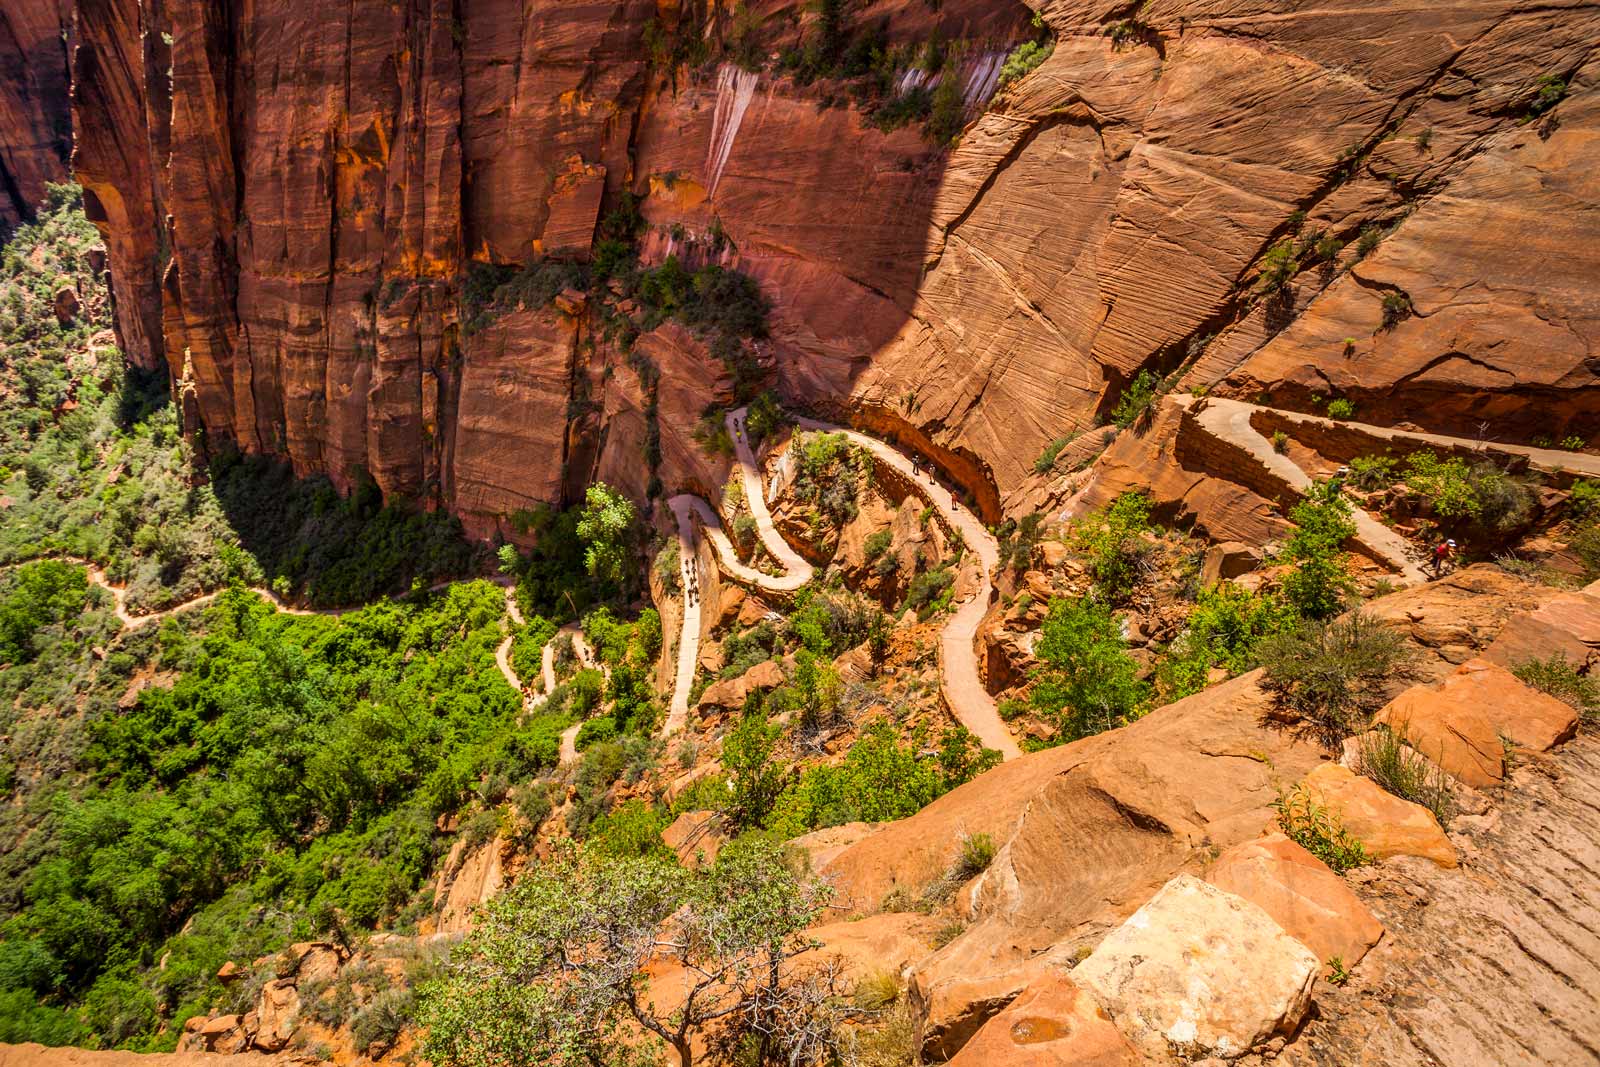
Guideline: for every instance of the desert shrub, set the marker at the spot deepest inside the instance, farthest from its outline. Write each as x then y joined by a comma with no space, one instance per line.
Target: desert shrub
1279,265
1558,677
382,1020
1583,502
765,418
527,648
1585,544
1477,492
1384,756
1396,307
1047,459
881,778
930,592
1114,543
1368,241
1341,408
1280,442
631,831
1372,472
977,852
1017,540
1024,60
829,474
1548,91
1321,578
877,544
1335,674
667,566
1135,403
1224,630
1085,681
757,778
1319,831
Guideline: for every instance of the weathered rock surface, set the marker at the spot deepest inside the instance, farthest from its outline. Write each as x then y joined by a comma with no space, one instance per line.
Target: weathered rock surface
35,121
1497,963
1300,892
322,182
1460,724
31,1055
1200,971
1053,1023
1381,821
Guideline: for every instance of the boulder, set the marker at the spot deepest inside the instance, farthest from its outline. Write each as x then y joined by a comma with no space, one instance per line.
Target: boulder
1301,893
222,1033
731,692
1459,725
1385,824
230,972
66,304
1201,972
695,837
1052,1023
276,1012
1226,560
953,1002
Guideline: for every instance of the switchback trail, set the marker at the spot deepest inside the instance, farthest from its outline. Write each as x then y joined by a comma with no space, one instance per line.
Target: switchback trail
960,683
532,701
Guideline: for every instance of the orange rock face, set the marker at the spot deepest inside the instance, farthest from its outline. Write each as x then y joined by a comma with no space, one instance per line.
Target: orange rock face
1300,892
35,123
291,201
1385,824
1052,1023
1460,724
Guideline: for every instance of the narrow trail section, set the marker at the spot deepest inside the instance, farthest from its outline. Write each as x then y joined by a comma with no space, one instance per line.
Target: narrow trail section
959,680
1229,421
960,683
532,701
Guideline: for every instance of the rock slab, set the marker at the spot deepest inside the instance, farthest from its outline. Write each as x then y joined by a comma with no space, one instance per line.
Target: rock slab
1385,824
1052,1023
1199,971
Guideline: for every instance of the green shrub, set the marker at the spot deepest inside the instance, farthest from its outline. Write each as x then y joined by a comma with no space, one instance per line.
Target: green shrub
1583,502
1136,401
1224,630
1372,472
1368,241
1335,674
930,592
1113,540
1559,678
1386,758
1585,544
1479,492
1319,831
1280,442
1549,91
1047,459
1321,578
1024,60
877,544
977,852
1341,409
1085,681
1279,265
1396,307
632,831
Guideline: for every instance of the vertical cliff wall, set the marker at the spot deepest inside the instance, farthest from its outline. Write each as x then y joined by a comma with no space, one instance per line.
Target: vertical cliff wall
35,123
294,197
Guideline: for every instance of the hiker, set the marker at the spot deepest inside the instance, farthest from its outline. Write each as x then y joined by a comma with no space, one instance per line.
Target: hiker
1444,552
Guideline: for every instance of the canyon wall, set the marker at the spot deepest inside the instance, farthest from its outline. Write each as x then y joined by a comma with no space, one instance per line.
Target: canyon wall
293,196
35,122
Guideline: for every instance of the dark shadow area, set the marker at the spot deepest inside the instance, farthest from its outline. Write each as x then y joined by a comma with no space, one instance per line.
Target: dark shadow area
330,550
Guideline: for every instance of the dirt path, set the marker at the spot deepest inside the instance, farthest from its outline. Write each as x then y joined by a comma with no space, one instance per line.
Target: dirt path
532,701
959,680
1229,420
960,683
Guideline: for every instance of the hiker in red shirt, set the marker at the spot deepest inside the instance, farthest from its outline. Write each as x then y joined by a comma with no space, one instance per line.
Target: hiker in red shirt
1444,552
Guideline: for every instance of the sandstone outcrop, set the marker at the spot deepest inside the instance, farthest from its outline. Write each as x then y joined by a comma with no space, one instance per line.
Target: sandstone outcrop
1300,892
35,121
1382,822
1465,724
323,184
1198,971
1053,1023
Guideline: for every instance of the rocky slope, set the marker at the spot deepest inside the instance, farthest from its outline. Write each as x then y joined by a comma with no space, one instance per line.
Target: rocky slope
291,202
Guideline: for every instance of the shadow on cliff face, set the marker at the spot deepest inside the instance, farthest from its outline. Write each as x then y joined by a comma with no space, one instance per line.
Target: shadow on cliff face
332,550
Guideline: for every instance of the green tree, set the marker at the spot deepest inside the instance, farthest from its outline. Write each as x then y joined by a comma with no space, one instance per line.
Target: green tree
555,971
606,527
758,779
1085,681
1321,578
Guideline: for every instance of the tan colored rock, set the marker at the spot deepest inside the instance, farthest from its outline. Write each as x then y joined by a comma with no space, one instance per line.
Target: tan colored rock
953,1003
1053,1023
277,1014
695,837
730,693
230,972
1230,559
1459,725
1385,824
1312,903
1200,971
466,880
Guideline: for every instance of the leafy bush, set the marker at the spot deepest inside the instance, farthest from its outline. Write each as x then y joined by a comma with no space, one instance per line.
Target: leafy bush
877,544
527,648
1335,674
1319,831
1549,91
930,592
1085,681
977,852
1340,408
1047,459
38,595
1396,307
1024,60
1583,502
1134,405
880,779
1559,678
1224,630
1479,492
1372,472
1114,543
1321,578
1384,756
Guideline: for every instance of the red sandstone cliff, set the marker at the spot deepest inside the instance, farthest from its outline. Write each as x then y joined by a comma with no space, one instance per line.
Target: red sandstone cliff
289,227
35,125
